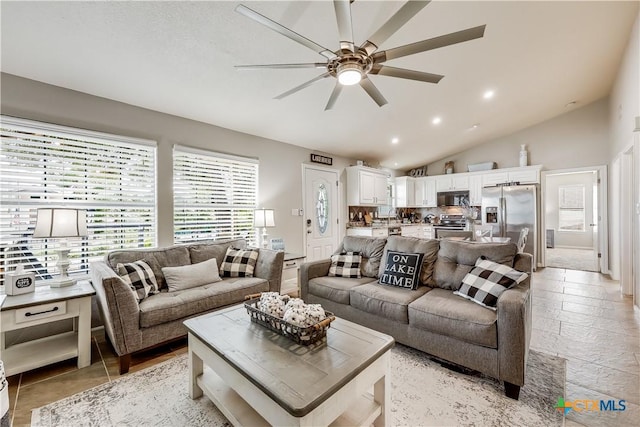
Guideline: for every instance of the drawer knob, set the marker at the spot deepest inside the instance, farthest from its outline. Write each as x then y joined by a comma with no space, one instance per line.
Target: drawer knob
28,313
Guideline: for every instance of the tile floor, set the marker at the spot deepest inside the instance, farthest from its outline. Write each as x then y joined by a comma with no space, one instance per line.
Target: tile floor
578,315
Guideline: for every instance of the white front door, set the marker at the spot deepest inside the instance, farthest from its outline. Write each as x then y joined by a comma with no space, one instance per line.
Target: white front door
320,211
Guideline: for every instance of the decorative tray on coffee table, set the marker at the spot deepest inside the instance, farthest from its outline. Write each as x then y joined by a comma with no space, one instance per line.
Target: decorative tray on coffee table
301,335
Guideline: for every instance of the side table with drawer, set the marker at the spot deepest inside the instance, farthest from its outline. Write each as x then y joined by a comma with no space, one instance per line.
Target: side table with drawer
42,306
290,268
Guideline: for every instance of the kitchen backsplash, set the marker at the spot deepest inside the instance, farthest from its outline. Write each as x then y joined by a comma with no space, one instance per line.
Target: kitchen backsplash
360,213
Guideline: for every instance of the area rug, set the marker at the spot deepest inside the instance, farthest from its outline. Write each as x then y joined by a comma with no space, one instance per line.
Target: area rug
423,393
572,259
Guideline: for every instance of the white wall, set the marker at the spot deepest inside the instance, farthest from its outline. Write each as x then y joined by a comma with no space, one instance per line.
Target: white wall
625,95
280,185
575,139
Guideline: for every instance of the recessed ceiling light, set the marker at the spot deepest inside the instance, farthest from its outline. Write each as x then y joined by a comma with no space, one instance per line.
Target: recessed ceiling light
475,126
436,120
395,164
394,140
488,94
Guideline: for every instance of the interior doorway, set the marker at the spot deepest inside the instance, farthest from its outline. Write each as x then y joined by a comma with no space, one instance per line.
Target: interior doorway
573,219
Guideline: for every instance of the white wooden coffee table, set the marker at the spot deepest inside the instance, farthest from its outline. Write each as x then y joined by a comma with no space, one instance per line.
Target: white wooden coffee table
257,377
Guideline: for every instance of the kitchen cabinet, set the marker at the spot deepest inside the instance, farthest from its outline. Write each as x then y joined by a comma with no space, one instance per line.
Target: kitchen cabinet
452,182
524,175
475,190
420,231
405,192
425,192
368,232
367,186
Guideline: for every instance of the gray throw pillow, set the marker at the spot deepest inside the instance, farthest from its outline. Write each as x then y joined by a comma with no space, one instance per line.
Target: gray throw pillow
192,275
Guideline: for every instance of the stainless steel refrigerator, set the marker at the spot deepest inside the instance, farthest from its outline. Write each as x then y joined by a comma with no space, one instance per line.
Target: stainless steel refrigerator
510,208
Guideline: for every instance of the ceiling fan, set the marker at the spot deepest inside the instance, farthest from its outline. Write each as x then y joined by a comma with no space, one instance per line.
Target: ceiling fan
353,65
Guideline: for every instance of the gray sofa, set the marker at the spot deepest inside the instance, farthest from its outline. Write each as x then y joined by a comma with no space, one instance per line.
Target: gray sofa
131,326
431,318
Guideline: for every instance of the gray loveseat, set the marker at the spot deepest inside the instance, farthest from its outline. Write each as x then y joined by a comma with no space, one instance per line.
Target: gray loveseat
132,326
431,318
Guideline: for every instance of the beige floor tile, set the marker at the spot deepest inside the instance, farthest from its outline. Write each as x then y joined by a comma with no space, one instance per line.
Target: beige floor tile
593,292
570,423
589,277
619,357
548,303
549,273
602,312
609,381
599,336
545,324
548,295
549,285
586,321
544,342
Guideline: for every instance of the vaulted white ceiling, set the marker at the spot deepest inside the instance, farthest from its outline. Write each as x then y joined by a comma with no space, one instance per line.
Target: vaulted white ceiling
179,58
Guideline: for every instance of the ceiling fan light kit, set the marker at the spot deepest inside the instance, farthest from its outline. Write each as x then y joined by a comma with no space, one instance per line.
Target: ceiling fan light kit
351,65
349,74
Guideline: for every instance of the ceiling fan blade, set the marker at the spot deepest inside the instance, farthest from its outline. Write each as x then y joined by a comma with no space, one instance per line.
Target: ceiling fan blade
430,44
279,66
373,91
273,25
302,86
345,27
334,96
401,17
384,70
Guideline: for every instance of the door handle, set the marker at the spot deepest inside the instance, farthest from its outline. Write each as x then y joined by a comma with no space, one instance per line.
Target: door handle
593,225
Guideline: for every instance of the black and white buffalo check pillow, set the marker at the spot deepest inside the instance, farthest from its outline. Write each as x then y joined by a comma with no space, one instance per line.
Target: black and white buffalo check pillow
487,281
346,264
239,263
140,278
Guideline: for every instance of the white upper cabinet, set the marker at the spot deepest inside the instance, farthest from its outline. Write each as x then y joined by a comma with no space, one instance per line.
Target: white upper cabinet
367,186
524,175
475,190
452,182
405,192
425,192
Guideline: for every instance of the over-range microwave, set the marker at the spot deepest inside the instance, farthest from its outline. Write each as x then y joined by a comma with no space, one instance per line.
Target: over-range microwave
453,198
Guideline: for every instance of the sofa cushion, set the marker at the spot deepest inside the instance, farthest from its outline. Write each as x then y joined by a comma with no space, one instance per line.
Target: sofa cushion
140,278
192,275
239,262
402,269
156,258
335,289
168,306
456,259
345,264
444,313
369,248
213,249
389,302
428,247
487,281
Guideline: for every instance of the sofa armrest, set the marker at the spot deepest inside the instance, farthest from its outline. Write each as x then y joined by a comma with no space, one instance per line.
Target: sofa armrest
118,308
514,333
269,267
311,270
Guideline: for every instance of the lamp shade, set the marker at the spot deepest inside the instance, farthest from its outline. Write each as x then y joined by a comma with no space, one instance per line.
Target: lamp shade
60,222
263,218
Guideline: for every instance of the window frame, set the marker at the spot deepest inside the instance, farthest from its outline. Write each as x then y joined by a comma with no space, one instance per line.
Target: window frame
563,207
239,216
84,167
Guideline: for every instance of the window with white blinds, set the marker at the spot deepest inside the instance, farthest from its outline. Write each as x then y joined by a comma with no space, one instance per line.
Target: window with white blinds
214,195
44,165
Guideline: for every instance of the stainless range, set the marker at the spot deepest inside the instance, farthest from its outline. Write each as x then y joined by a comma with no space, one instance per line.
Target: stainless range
451,222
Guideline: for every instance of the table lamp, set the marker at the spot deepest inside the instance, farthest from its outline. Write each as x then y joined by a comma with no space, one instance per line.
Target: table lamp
263,218
61,223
